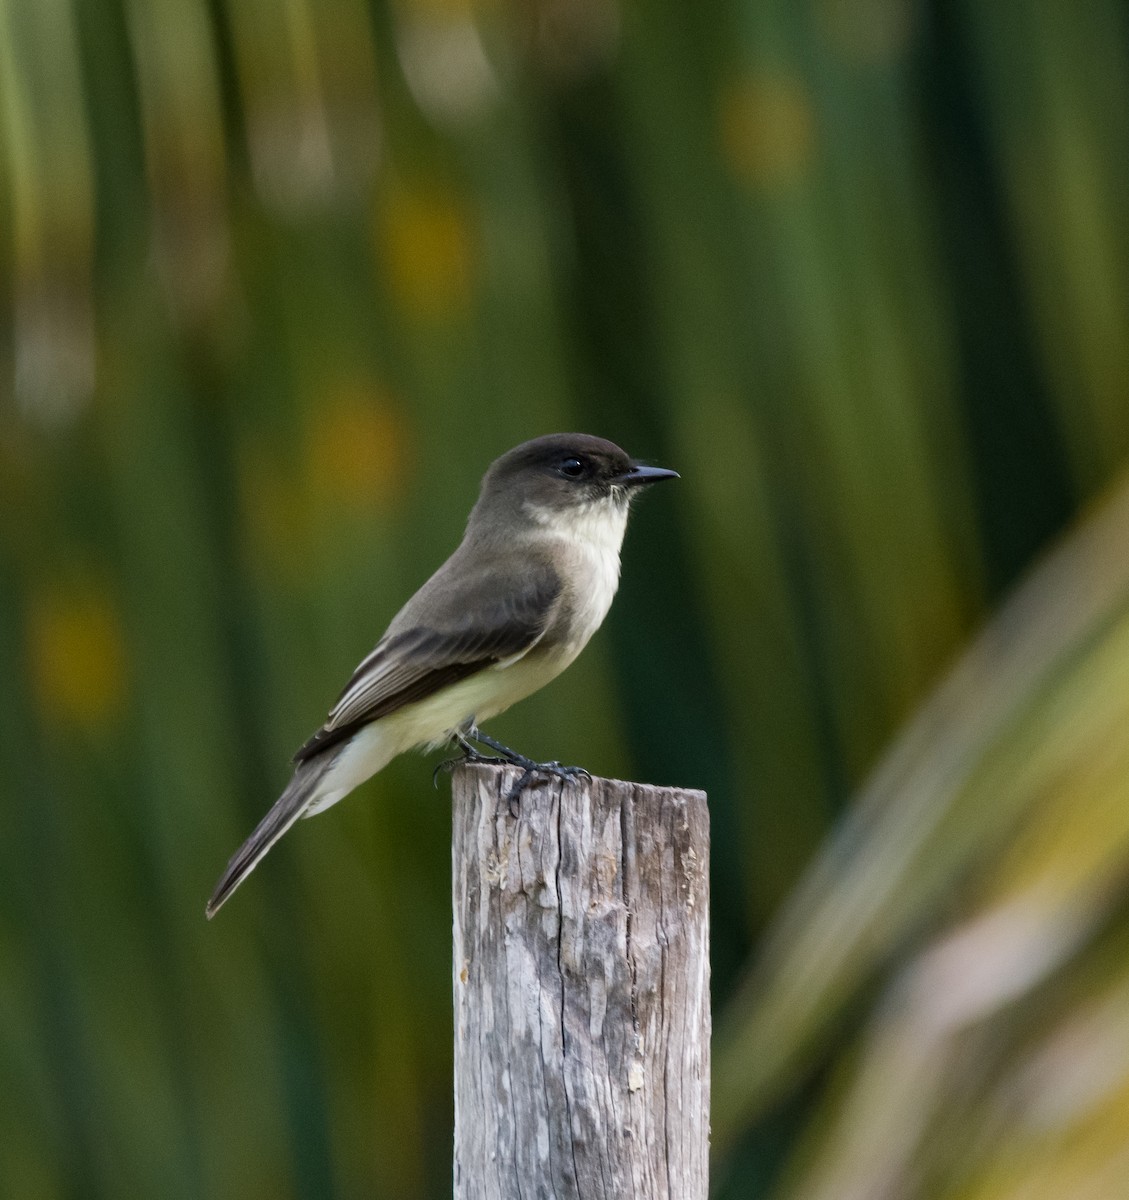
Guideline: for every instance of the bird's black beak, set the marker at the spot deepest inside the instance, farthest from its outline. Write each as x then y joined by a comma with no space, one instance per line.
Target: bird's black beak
640,475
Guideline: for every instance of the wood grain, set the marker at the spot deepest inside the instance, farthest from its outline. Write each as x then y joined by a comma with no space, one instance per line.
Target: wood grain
581,983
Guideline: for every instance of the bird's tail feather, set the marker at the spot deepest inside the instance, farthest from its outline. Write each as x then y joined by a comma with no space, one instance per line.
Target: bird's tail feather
292,804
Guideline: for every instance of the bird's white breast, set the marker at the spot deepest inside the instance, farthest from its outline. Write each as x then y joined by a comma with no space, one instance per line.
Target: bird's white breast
592,536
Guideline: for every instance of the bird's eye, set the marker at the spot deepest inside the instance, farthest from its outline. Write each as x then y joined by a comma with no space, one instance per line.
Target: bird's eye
573,468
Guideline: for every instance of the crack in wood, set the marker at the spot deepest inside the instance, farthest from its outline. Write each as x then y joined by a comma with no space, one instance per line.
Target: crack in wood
582,999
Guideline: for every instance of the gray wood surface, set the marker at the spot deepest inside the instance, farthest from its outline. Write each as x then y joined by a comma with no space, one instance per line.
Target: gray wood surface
581,982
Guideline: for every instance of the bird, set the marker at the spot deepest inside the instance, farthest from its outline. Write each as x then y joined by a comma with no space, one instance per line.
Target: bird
529,584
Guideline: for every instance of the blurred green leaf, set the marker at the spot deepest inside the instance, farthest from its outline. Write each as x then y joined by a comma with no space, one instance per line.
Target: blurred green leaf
1001,814
277,282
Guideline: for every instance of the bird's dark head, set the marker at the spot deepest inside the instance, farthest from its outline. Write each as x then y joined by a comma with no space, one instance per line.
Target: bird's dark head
566,474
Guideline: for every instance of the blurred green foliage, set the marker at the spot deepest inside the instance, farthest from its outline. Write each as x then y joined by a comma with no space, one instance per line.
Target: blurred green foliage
280,280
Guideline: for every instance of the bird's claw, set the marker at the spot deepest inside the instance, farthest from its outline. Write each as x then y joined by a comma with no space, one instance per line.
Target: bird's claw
504,756
529,769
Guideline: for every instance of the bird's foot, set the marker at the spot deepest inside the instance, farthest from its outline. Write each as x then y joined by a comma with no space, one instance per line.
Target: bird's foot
529,768
469,755
503,755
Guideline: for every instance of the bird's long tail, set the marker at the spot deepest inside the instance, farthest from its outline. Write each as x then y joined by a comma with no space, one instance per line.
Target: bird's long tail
301,792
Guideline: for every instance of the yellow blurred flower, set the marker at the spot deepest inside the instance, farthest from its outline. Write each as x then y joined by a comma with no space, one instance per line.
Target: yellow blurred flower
76,653
355,450
425,251
275,517
350,462
768,129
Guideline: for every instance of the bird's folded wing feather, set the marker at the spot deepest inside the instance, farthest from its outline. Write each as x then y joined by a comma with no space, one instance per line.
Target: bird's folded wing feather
416,662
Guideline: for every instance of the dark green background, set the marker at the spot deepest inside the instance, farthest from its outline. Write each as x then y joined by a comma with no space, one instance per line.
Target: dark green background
281,280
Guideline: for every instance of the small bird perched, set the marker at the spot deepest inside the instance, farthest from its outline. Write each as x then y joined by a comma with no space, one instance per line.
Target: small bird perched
531,581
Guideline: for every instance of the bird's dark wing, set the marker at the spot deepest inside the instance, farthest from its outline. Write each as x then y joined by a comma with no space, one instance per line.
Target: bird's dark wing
416,662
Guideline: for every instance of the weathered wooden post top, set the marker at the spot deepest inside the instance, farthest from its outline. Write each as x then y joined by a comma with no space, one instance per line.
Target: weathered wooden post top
581,982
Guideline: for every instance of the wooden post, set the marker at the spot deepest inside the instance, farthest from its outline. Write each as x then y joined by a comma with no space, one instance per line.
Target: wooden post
581,979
